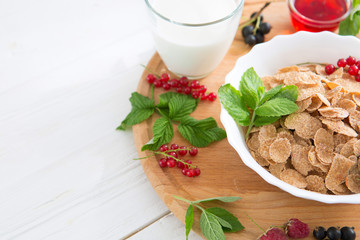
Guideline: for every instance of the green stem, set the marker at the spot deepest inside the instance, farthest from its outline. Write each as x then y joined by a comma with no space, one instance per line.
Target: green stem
144,157
190,202
152,91
255,223
251,124
150,71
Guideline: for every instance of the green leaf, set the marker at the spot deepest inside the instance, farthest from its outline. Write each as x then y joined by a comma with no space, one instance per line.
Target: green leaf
211,227
350,26
164,99
222,199
228,217
142,109
276,107
233,103
189,220
181,105
224,224
262,120
269,94
251,88
162,133
290,92
200,133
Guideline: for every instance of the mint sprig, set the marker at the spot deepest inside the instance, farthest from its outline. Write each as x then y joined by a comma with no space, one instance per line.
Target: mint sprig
213,221
351,25
252,106
174,108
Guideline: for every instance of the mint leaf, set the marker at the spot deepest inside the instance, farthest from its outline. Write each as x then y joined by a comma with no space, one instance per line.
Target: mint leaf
350,26
211,227
269,94
142,109
228,217
262,120
180,106
200,133
251,88
164,99
223,223
233,103
222,199
276,107
189,220
162,133
290,92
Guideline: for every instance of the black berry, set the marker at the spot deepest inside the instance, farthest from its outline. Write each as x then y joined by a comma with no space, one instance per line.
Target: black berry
251,40
319,233
247,30
259,37
347,233
333,233
265,27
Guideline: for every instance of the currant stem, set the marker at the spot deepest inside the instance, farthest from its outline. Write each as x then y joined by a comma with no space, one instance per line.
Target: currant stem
176,159
149,70
255,17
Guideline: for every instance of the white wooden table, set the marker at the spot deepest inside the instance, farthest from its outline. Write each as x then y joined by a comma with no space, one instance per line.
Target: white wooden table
67,69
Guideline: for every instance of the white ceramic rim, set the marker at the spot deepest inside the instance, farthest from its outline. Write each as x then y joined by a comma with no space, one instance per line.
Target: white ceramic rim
235,136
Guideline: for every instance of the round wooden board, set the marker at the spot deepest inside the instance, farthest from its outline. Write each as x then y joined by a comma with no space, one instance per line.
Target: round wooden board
223,172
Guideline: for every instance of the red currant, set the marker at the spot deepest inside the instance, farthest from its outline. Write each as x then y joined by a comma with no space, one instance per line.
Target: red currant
184,171
350,61
158,83
195,84
329,69
174,146
188,163
174,154
179,89
164,148
150,78
197,171
202,89
190,173
203,96
174,83
341,62
184,81
171,163
193,151
180,165
212,96
195,94
162,162
166,86
357,78
165,77
187,90
353,70
182,152
358,64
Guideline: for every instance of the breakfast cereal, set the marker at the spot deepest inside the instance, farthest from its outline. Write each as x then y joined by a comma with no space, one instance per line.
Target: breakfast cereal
317,147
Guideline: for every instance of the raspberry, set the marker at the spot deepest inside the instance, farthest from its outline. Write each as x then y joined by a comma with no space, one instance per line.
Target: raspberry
297,229
273,234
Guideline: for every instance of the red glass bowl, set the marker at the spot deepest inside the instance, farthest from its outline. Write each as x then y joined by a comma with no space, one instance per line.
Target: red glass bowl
304,23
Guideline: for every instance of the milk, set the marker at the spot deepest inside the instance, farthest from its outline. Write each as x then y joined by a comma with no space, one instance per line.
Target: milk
191,47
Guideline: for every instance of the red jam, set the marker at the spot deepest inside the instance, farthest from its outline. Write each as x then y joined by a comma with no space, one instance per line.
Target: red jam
317,15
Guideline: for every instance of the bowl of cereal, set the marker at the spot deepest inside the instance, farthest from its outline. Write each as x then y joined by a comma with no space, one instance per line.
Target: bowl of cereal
313,152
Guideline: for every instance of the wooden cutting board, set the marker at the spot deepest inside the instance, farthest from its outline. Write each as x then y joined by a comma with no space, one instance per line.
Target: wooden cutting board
222,171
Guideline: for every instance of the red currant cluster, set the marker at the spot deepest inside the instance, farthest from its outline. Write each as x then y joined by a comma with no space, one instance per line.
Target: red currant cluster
171,159
182,85
351,64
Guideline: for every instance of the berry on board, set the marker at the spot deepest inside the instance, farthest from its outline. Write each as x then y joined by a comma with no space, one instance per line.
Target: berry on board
273,234
297,229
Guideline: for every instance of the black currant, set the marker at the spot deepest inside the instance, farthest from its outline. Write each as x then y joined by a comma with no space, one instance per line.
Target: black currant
348,233
251,40
253,15
247,30
333,233
259,37
319,233
264,27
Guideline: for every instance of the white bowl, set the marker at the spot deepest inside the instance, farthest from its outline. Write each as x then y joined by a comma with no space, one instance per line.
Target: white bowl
267,58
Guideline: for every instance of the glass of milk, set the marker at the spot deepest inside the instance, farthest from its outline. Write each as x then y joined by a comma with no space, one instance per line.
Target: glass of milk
193,36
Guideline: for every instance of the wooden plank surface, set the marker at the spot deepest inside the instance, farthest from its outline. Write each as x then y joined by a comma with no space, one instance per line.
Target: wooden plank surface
223,172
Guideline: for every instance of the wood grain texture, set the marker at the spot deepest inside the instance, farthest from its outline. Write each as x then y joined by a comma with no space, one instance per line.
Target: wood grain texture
223,172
